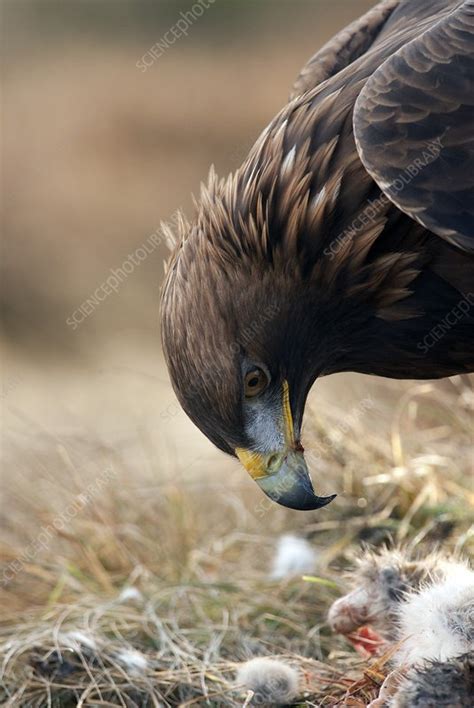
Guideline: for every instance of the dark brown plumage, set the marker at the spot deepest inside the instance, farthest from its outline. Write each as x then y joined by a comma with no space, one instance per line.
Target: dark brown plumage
326,252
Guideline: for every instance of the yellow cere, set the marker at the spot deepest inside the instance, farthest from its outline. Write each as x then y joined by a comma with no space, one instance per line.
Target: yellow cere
287,417
254,463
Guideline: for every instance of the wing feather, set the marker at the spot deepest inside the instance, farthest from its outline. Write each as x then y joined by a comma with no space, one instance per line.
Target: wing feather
344,48
414,127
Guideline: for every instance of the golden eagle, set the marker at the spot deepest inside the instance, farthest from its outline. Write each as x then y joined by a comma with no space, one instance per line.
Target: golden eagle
345,241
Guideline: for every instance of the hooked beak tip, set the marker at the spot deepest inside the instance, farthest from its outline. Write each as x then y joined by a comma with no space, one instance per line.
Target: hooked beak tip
291,485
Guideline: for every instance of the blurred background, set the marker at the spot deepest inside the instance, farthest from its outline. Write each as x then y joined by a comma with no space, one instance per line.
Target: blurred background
97,150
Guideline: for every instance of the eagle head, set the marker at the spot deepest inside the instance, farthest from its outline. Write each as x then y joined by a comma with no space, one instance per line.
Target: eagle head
235,318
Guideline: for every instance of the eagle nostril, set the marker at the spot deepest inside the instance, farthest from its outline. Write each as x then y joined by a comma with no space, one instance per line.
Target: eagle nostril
274,463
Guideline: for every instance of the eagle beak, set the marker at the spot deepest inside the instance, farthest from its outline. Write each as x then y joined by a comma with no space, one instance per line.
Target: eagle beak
284,476
291,485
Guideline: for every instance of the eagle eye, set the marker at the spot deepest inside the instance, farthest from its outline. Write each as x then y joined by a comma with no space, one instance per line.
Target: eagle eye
255,382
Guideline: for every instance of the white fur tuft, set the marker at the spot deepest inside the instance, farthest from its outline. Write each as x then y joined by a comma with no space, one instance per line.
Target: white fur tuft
135,661
293,556
438,621
272,681
130,594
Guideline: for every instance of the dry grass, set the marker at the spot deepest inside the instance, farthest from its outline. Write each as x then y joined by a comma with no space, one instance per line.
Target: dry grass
196,550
